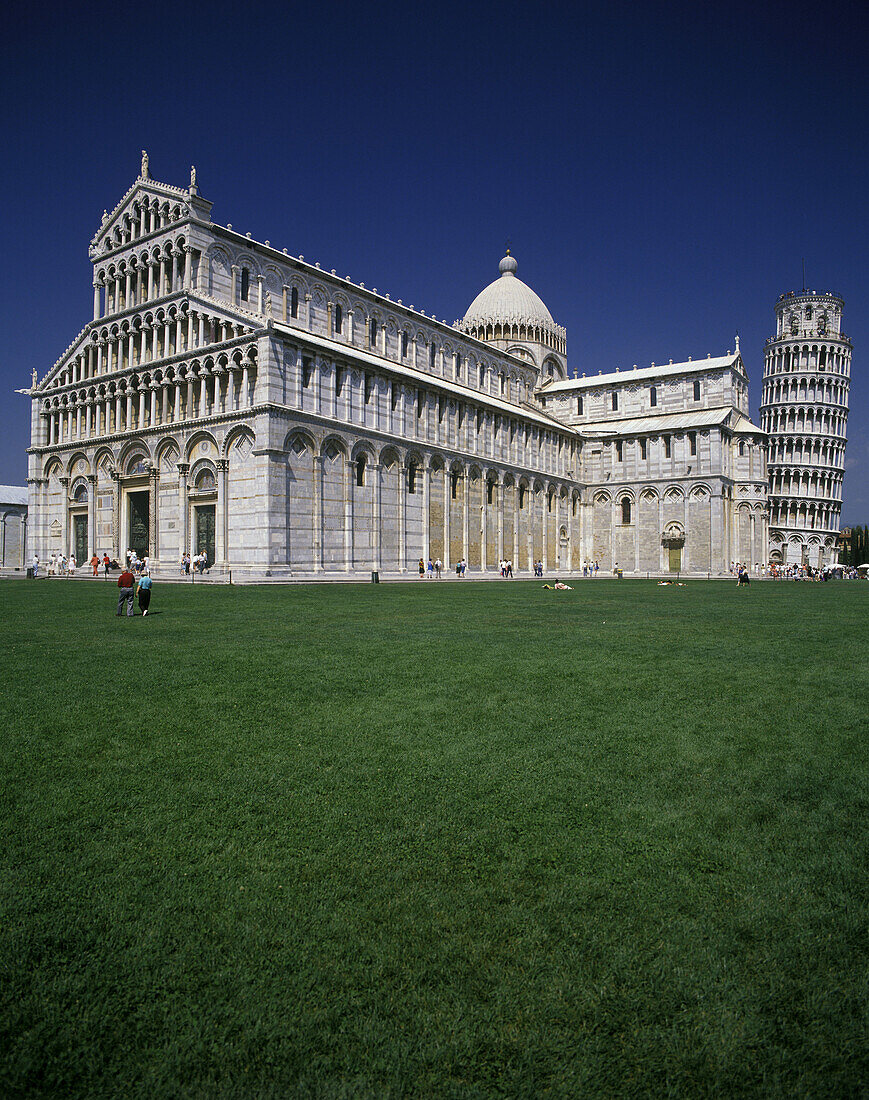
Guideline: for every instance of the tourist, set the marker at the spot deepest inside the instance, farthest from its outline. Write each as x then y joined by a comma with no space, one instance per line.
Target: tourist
71,565
107,564
125,593
429,569
508,568
34,564
144,593
438,567
421,569
95,564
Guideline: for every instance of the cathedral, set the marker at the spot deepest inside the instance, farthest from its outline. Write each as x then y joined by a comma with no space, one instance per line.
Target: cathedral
230,398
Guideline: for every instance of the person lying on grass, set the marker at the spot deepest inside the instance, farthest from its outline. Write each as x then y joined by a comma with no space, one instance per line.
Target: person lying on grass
558,584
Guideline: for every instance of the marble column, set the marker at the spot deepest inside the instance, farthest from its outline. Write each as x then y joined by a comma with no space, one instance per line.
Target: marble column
153,518
402,518
500,489
426,510
544,503
64,531
318,513
515,526
375,469
116,516
92,514
466,503
348,515
222,532
183,508
446,532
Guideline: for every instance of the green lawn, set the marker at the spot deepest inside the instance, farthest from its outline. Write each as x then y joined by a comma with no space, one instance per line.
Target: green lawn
434,840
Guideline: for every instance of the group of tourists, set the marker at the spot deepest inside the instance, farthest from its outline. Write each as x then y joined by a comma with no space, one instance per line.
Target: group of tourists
106,562
138,566
794,571
430,569
196,564
506,568
59,565
433,569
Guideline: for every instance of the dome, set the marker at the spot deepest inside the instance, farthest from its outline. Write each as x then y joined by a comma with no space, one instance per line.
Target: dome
507,301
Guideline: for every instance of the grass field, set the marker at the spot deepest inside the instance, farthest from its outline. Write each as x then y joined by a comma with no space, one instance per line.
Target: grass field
434,840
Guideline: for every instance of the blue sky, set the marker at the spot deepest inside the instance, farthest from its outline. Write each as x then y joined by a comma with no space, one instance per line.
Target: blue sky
660,170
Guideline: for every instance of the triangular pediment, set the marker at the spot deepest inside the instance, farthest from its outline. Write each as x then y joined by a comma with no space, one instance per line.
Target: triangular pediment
52,377
124,222
147,207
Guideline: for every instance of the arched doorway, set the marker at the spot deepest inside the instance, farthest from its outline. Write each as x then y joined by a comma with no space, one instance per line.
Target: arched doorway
673,542
203,499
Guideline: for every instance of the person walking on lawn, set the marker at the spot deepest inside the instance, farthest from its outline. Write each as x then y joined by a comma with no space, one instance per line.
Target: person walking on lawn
144,592
125,591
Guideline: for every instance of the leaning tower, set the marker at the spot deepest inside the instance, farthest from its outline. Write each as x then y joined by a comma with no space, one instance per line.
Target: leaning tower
804,410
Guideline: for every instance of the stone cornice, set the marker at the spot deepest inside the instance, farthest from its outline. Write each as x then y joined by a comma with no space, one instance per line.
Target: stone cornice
346,355
169,430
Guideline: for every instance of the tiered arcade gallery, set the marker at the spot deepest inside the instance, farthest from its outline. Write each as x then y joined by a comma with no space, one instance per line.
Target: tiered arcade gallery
230,398
804,410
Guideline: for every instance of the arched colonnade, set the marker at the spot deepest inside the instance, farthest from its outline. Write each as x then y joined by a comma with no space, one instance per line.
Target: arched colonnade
353,504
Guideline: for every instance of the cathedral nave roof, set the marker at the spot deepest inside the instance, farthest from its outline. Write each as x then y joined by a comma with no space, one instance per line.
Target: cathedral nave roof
646,374
668,422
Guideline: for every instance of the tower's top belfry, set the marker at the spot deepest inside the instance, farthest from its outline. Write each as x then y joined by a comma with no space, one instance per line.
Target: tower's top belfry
809,314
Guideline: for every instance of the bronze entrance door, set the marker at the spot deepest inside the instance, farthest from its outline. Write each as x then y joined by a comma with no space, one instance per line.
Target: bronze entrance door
139,521
205,531
675,559
80,538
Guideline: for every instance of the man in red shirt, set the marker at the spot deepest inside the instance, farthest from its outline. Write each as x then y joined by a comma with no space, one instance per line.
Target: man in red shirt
125,586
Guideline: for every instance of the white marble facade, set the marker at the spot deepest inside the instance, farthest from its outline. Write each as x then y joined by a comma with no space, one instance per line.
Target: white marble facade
231,397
